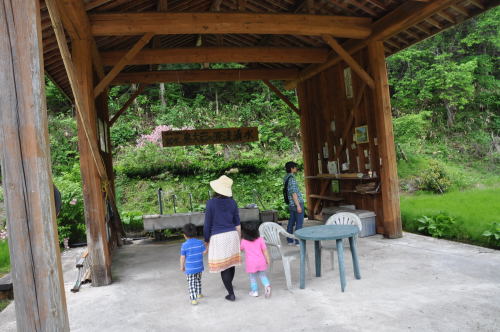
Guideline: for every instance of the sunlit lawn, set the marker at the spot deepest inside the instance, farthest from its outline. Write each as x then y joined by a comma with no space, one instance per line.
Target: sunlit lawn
474,209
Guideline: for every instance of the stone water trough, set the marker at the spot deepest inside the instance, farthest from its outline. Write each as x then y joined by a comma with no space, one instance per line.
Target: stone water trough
157,222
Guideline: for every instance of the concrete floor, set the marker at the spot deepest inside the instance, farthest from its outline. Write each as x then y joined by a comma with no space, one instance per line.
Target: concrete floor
414,283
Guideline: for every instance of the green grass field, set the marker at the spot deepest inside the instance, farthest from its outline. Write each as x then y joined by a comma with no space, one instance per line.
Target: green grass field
4,258
474,210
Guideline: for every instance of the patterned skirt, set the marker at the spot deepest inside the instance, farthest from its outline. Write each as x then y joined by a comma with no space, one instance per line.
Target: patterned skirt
224,251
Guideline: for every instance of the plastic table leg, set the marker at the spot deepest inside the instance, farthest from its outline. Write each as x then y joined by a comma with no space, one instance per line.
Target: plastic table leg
302,264
354,253
340,254
317,257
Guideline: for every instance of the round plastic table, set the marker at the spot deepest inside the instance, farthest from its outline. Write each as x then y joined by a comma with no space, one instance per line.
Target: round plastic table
328,232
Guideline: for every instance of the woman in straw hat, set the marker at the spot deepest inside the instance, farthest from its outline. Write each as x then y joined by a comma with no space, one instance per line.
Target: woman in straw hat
222,233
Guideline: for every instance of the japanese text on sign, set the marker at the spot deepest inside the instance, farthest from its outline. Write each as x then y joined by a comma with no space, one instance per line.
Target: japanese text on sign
209,136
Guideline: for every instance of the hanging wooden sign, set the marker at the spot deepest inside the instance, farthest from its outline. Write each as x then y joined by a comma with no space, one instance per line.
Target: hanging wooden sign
209,136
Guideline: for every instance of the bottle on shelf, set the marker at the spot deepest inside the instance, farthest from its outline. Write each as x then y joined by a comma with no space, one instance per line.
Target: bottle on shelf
320,164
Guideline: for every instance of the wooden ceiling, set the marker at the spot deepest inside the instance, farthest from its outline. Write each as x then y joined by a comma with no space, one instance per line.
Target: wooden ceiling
260,34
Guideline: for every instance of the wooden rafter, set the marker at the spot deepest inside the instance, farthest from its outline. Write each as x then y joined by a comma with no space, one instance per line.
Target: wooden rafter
362,7
281,96
349,60
215,6
478,4
407,15
228,23
220,54
206,75
122,63
127,104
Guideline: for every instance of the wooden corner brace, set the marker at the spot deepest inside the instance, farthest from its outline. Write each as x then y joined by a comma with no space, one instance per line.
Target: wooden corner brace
282,96
349,60
122,63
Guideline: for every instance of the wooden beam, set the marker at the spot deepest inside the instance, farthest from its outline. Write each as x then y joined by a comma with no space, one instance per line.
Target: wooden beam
281,96
122,63
35,257
93,195
408,14
220,54
127,104
76,22
349,60
381,105
120,24
57,25
206,75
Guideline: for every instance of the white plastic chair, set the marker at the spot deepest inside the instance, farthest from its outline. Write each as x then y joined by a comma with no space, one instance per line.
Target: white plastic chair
341,218
271,233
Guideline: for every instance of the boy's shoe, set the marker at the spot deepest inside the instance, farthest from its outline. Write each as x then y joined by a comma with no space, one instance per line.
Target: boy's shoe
230,297
194,302
253,293
267,292
199,296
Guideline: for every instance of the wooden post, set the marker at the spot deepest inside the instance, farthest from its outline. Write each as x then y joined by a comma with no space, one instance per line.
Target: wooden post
305,134
388,170
97,232
34,247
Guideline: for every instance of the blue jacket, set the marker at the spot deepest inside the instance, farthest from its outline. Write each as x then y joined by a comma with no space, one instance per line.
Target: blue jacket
221,215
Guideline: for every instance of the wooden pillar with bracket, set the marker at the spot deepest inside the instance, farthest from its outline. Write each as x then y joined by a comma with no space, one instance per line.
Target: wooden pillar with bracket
98,234
381,103
24,151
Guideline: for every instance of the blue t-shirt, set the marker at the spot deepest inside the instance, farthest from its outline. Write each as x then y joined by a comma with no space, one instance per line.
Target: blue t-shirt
193,250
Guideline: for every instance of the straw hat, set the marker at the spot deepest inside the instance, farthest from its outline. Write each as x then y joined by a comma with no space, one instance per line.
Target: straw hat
222,186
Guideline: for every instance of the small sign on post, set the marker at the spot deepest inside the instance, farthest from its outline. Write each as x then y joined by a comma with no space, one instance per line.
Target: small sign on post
209,136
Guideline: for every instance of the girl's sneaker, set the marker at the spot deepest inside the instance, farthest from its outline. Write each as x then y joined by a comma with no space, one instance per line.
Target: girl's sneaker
199,296
267,293
253,293
194,302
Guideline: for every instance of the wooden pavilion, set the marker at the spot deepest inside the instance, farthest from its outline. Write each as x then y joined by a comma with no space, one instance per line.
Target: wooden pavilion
332,51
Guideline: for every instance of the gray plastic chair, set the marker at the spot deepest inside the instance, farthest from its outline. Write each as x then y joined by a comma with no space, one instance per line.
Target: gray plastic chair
341,218
271,233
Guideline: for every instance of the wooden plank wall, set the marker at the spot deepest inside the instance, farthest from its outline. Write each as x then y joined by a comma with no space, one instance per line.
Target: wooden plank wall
322,100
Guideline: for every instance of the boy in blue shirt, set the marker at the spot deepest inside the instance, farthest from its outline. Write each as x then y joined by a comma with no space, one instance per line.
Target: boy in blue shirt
192,261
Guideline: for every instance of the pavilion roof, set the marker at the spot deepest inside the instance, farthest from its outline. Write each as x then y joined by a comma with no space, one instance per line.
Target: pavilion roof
180,44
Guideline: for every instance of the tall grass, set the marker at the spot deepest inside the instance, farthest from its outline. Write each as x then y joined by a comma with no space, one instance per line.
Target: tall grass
474,210
4,257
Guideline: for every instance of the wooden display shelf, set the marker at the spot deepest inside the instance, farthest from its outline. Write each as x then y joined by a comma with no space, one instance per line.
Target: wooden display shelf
339,177
371,192
327,198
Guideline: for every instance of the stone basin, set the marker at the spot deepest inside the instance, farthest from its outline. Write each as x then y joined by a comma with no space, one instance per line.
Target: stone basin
156,222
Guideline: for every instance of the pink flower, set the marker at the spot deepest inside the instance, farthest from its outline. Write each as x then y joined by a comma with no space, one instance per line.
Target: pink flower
3,234
73,201
155,136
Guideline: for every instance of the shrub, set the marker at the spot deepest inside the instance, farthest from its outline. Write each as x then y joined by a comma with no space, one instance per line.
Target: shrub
434,178
411,128
132,221
440,225
71,220
493,234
